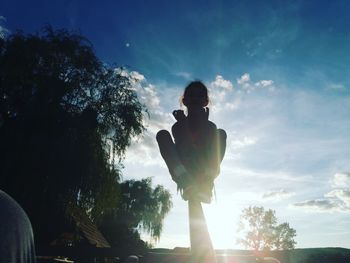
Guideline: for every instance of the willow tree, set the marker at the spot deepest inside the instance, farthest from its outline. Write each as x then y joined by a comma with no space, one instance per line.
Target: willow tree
142,208
64,118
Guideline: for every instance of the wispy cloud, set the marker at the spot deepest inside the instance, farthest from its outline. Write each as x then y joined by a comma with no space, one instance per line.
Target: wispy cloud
336,86
220,82
341,180
336,200
278,195
220,91
243,79
265,84
184,75
144,150
341,194
238,143
320,205
137,76
248,85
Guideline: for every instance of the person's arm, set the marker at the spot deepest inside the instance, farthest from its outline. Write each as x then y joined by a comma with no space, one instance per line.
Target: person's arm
180,129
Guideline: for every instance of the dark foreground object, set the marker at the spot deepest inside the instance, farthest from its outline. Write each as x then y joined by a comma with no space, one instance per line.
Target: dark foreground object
181,255
187,258
201,245
16,234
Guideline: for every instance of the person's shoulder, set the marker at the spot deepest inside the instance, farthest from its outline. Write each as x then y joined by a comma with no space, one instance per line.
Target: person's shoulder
13,211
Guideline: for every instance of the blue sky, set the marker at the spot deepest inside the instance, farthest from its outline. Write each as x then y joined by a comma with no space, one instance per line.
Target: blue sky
278,76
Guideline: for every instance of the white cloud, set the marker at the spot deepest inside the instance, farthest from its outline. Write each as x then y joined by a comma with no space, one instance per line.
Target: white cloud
268,84
220,82
148,95
264,83
185,75
341,180
243,79
277,195
231,105
337,199
245,83
218,96
336,86
243,142
225,97
341,194
137,76
236,144
219,93
144,149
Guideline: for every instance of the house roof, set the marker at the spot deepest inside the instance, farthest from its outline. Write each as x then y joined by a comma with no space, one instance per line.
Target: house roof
88,228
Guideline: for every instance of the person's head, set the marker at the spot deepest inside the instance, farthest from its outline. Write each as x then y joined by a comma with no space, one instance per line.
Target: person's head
195,95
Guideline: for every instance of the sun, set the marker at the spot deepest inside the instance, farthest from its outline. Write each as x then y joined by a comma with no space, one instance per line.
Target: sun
222,219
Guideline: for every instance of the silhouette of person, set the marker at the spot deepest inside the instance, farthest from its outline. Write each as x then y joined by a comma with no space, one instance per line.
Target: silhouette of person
16,234
194,158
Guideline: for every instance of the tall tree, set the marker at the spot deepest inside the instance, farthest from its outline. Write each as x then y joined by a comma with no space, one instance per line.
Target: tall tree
64,118
262,231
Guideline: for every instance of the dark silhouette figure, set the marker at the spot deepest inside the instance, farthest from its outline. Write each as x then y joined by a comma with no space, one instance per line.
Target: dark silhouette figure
16,234
194,159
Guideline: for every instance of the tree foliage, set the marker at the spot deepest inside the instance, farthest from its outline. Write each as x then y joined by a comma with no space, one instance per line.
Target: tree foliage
261,231
141,208
284,237
64,118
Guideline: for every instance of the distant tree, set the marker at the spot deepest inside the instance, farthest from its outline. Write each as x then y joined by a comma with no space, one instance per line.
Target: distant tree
262,232
65,117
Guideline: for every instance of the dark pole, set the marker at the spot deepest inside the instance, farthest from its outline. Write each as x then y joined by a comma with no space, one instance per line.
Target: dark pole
201,246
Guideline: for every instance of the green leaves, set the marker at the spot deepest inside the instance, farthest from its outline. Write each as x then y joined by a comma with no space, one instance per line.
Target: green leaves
262,231
284,237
